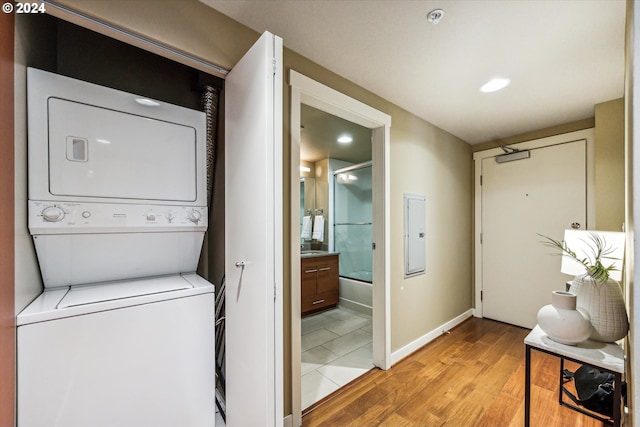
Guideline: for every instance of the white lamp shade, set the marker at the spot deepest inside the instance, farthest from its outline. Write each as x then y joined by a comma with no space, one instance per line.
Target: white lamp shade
580,242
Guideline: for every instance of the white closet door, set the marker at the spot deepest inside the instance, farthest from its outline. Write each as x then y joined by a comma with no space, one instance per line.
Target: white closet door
544,194
253,236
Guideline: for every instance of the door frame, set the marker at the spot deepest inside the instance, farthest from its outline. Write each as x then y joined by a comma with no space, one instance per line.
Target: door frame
310,92
586,134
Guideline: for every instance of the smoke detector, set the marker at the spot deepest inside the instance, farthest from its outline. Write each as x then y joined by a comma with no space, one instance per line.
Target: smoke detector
435,16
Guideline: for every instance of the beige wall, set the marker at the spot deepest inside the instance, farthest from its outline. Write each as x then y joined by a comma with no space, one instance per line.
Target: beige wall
609,156
428,161
424,160
587,123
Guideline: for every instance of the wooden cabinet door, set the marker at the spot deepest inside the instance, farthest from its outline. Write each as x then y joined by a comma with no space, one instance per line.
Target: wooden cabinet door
327,275
308,280
319,283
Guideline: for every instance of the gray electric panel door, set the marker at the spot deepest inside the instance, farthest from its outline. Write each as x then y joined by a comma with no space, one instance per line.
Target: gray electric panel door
414,234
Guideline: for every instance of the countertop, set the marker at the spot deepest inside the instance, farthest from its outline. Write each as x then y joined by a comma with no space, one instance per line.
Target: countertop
316,253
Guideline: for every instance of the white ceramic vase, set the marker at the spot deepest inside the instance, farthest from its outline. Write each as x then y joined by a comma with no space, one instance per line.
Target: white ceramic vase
605,306
562,321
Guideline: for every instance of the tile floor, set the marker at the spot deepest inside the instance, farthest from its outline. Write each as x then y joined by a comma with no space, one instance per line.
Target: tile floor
336,349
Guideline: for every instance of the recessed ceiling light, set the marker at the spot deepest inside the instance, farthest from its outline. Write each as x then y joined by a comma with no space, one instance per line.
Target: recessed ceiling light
345,139
495,84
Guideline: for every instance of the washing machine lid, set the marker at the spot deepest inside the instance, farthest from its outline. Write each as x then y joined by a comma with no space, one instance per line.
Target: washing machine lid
91,294
58,303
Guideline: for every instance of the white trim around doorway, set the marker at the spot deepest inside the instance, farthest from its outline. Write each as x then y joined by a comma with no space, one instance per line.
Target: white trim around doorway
310,92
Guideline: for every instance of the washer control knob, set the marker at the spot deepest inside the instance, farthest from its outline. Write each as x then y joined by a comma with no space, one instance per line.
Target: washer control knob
194,216
52,214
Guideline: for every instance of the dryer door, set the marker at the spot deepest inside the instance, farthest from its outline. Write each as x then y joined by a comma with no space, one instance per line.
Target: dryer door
97,152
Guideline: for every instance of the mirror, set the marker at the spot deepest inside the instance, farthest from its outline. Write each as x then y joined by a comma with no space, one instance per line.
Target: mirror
308,195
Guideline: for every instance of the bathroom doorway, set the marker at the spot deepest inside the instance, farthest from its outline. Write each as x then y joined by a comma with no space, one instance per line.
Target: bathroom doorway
336,253
310,96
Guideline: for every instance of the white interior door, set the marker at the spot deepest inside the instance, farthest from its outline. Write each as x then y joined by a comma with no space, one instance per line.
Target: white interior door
253,236
543,194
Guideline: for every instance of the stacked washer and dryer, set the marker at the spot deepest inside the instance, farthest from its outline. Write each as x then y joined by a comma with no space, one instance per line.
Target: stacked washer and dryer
123,334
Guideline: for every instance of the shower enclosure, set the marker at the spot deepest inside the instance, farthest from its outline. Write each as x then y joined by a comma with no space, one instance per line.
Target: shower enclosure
353,234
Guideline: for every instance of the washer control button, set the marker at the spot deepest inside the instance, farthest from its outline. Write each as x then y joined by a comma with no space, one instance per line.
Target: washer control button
151,216
194,216
86,214
52,214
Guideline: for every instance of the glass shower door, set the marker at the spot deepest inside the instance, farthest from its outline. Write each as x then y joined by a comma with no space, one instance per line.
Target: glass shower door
353,226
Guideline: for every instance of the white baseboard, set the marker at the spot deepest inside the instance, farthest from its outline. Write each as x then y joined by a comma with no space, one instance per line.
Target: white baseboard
405,351
288,421
356,306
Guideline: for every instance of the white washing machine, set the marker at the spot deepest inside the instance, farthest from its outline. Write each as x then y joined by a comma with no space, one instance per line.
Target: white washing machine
123,334
109,355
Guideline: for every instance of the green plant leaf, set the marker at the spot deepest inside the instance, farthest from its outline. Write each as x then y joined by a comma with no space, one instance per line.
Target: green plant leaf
592,263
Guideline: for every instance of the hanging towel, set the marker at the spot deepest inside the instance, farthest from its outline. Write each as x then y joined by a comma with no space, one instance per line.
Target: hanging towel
306,228
318,228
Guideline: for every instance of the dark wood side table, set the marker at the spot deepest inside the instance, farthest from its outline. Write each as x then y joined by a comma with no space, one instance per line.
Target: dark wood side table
603,356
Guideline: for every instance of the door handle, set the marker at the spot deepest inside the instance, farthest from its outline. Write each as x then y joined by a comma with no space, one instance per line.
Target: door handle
240,264
575,225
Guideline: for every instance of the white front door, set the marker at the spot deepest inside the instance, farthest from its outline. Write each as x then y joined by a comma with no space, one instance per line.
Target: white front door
253,236
543,194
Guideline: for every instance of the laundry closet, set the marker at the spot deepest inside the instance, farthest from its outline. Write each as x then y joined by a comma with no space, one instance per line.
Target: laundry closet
59,47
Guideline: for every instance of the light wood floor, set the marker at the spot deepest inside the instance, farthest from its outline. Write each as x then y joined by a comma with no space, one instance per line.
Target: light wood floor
473,376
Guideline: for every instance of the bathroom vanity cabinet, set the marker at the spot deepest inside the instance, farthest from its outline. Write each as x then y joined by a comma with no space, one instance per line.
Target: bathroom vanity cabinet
319,281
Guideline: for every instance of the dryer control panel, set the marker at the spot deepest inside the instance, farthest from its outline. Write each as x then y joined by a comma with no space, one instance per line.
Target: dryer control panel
46,217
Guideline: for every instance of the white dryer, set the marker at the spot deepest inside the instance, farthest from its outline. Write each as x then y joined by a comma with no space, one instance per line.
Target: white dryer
123,334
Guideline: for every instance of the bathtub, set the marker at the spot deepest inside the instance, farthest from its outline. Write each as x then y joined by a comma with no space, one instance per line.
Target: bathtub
357,294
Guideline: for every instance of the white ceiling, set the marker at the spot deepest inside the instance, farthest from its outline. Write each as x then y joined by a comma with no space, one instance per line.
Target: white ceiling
562,56
319,135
